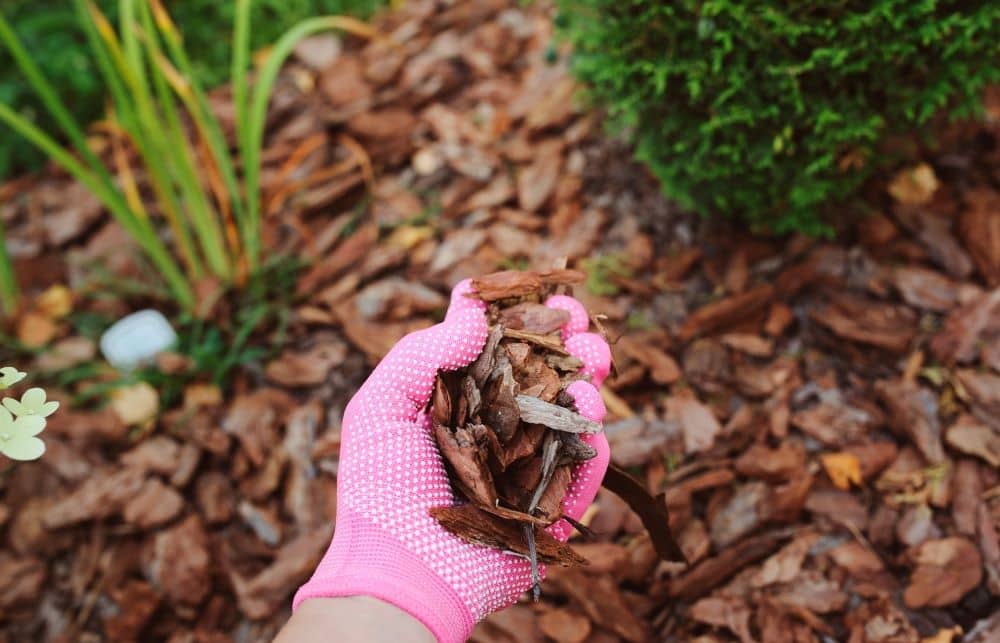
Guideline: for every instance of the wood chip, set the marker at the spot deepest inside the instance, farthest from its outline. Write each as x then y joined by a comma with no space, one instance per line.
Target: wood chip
479,528
536,411
651,510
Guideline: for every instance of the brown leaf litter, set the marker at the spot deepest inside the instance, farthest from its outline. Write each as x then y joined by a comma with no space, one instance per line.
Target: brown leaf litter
751,372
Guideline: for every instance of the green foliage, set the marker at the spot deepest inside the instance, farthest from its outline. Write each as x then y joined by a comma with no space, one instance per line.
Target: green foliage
253,333
9,291
600,271
770,110
52,35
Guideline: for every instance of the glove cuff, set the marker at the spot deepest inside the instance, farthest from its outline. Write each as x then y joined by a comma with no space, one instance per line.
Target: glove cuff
365,560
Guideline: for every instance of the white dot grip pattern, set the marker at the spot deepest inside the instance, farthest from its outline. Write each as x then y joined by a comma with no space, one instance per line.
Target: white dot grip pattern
391,473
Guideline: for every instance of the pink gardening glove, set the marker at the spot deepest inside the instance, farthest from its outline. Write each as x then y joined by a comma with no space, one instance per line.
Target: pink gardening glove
386,545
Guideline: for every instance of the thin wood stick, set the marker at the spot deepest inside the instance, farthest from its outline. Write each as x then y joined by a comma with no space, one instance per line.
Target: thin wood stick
549,452
536,577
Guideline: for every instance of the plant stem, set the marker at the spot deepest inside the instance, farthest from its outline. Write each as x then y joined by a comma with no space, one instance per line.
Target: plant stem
140,229
9,291
251,125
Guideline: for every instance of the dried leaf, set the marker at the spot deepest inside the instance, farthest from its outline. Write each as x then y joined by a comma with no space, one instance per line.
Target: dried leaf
136,403
974,438
55,302
308,368
35,330
179,562
732,614
697,422
564,626
843,469
946,570
914,185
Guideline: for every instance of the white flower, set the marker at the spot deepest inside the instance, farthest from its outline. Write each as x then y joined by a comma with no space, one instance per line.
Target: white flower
17,436
32,403
10,376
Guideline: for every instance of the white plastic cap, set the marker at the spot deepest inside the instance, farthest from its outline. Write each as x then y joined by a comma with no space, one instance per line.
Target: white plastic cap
137,339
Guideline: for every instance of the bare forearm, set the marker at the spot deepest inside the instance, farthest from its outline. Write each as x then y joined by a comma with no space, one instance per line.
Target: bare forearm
352,618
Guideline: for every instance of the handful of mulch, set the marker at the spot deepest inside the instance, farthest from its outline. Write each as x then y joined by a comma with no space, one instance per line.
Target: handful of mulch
510,434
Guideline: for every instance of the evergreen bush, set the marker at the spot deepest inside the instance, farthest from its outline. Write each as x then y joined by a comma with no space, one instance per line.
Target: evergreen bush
773,110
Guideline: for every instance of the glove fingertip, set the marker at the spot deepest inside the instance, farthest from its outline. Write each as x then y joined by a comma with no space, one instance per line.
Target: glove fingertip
466,332
579,320
595,354
587,479
461,301
588,400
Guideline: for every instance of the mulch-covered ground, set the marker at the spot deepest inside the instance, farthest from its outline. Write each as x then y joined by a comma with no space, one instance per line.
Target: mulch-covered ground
824,417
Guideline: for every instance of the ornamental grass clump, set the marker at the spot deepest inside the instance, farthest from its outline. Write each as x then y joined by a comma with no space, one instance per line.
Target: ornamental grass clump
208,201
773,111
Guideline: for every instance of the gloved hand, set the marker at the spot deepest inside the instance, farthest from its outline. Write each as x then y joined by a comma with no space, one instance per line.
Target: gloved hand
386,545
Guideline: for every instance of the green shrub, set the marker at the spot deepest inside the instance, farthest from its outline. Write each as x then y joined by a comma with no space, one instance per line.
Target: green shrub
57,43
773,110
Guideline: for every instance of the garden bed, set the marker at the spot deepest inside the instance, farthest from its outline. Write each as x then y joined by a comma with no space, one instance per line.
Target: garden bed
822,415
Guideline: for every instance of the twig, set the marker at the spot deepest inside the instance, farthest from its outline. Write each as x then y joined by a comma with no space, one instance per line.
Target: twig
536,577
586,532
549,452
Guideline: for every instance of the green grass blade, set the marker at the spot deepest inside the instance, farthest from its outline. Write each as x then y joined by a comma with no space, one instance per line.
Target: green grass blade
183,82
200,211
131,47
196,100
141,230
9,291
116,86
240,63
143,124
253,124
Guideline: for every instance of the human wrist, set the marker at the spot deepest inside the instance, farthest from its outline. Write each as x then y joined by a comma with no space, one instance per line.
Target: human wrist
366,560
352,618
